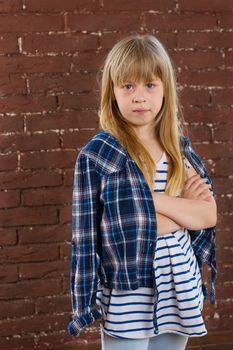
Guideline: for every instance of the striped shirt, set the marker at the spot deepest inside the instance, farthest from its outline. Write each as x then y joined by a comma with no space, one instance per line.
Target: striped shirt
129,314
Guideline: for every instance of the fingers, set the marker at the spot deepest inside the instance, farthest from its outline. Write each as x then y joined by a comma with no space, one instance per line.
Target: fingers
196,187
194,181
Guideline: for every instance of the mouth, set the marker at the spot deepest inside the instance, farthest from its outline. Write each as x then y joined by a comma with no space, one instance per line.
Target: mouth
140,110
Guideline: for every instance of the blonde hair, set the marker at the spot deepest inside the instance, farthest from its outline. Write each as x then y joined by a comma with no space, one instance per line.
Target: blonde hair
139,58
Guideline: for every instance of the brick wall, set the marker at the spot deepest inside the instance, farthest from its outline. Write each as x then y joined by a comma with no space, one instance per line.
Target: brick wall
50,51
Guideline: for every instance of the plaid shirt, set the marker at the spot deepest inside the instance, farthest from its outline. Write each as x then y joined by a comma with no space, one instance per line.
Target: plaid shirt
114,226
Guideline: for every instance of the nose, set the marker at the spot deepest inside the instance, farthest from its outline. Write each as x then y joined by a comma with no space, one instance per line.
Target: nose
139,96
139,99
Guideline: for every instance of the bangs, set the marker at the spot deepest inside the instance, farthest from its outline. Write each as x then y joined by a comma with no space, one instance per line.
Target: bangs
136,63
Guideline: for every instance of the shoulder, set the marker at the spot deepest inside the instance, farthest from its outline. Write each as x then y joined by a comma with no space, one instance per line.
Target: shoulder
106,152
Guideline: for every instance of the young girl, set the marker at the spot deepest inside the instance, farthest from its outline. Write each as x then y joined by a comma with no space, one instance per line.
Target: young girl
143,215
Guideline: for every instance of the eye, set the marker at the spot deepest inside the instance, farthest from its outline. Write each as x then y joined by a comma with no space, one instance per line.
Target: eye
150,85
127,86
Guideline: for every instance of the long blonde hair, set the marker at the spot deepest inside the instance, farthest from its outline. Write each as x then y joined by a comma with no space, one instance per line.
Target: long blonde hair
140,57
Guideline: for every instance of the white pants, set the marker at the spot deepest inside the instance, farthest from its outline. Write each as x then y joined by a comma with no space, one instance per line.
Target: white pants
160,342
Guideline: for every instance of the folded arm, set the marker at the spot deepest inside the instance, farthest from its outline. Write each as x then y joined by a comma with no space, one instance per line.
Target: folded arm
166,225
193,214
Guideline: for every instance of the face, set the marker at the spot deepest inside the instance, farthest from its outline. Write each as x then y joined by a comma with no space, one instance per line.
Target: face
140,103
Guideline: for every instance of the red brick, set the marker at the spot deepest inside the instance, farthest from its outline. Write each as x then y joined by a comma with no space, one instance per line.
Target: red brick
30,23
8,236
159,5
43,234
191,96
195,59
10,6
169,22
32,324
212,114
47,196
27,103
210,340
68,177
12,84
9,199
204,40
30,142
222,97
48,305
29,253
8,273
224,168
77,139
65,214
128,21
228,60
17,343
223,132
50,159
70,101
30,288
65,342
206,5
63,121
8,162
66,285
90,61
200,134
57,43
17,308
212,150
12,180
225,220
8,44
222,186
58,6
35,64
225,203
54,84
225,20
11,123
219,78
28,216
65,251
226,307
51,269
223,323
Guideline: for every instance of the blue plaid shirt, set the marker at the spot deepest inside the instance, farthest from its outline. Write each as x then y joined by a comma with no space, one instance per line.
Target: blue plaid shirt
114,226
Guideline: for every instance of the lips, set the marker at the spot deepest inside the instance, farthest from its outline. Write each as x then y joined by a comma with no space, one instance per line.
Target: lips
140,110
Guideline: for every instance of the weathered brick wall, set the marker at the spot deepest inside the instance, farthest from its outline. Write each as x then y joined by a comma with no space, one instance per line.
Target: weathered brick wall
50,52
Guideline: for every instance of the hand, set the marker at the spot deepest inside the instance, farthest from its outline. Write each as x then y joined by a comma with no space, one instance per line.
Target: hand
196,187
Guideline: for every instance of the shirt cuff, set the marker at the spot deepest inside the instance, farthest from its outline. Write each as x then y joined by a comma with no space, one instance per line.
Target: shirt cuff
76,326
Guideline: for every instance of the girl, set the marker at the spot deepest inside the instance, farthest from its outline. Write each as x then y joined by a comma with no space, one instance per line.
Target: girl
143,217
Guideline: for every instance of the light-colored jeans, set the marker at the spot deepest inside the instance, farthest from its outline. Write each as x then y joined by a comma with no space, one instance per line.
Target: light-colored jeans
160,342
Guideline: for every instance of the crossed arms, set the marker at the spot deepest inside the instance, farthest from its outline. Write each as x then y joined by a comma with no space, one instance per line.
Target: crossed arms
196,210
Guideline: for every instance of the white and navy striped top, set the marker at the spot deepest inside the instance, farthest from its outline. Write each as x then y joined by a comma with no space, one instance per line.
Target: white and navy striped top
129,313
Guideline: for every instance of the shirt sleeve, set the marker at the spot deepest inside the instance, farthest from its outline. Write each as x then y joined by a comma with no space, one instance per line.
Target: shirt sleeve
84,259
